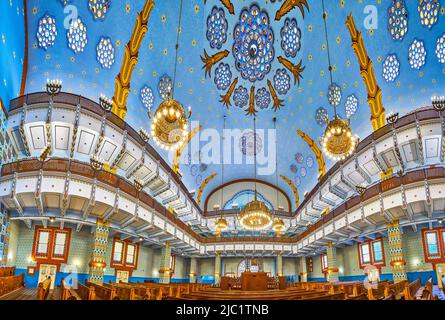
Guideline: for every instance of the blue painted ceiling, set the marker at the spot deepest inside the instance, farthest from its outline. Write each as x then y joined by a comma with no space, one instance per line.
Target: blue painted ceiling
12,48
82,73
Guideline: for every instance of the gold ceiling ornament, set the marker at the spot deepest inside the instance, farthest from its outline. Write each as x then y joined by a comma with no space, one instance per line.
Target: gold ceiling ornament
338,140
131,54
288,5
202,186
255,216
294,189
367,72
177,158
317,152
278,226
169,126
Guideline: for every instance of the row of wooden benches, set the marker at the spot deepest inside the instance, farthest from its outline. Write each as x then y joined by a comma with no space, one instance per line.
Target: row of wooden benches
384,290
288,294
122,291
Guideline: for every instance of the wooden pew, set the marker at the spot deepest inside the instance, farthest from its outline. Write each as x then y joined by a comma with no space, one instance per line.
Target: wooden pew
11,283
427,293
377,293
411,289
7,271
68,293
43,289
394,291
85,292
103,292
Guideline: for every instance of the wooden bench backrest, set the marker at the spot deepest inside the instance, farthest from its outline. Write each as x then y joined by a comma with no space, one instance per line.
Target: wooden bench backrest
11,283
43,289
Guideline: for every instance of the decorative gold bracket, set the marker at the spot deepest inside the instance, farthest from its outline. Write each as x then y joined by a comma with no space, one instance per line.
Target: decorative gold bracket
122,83
378,119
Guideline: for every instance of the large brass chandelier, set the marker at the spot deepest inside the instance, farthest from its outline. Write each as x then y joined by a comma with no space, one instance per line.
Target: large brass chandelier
338,141
255,216
169,126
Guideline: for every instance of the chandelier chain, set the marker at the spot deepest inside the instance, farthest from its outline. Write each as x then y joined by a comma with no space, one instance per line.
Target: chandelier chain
176,50
327,48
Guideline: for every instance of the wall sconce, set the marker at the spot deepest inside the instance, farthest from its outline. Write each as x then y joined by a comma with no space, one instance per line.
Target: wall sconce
438,102
138,184
392,118
53,87
105,103
360,189
96,163
144,135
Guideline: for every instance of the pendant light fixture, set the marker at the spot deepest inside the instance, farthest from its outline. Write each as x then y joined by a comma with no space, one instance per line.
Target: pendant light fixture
338,140
255,216
278,224
169,126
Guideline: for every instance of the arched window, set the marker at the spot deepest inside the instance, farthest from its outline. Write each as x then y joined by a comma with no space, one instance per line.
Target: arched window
240,199
249,265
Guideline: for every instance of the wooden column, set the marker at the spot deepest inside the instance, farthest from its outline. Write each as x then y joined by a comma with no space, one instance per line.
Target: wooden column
164,270
332,275
98,263
396,252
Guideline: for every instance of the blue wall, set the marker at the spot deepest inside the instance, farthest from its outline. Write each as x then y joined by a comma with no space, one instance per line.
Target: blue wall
12,48
32,281
412,276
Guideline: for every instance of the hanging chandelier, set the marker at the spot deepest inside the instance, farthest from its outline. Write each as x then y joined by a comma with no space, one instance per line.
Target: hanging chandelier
220,226
338,141
169,126
255,216
278,226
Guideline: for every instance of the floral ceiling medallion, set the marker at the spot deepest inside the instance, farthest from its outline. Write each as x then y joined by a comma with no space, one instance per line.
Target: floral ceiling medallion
246,74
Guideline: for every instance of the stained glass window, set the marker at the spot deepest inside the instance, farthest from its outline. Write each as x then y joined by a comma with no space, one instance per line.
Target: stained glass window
240,199
417,54
105,53
223,76
217,28
77,35
290,37
391,67
351,105
46,32
365,253
440,49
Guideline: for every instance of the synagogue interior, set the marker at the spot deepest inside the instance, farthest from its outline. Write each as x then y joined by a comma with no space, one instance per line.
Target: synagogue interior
222,150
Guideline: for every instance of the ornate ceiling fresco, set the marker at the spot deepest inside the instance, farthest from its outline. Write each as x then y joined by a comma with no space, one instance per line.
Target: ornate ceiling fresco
244,58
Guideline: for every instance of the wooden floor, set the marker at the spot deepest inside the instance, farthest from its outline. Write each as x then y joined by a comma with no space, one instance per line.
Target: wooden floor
30,294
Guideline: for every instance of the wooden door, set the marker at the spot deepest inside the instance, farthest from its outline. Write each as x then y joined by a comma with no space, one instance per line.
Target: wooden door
122,276
440,273
48,270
